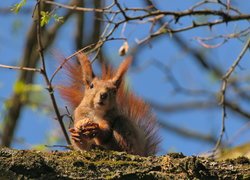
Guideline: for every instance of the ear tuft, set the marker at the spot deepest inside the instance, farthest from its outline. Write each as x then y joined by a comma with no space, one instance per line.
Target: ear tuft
117,79
87,71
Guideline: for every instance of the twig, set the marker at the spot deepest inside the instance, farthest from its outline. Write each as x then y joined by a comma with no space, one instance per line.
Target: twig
121,10
223,92
104,10
225,38
199,4
236,62
20,68
44,73
69,115
166,30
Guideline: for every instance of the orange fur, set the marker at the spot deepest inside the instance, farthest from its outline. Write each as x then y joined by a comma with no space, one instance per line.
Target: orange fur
123,123
72,90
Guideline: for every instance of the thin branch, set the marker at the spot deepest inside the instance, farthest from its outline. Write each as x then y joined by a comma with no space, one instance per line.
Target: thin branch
20,68
199,4
236,62
165,29
103,10
44,73
224,37
223,91
179,14
121,10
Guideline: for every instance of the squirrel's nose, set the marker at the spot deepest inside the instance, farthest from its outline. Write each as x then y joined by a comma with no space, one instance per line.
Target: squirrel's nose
104,96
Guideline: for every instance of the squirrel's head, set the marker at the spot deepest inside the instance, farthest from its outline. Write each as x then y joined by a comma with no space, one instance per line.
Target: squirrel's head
100,93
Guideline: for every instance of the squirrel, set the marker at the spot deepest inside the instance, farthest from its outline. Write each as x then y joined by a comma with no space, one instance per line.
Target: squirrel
106,114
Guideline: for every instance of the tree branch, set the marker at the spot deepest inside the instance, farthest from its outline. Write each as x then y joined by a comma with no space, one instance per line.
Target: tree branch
97,164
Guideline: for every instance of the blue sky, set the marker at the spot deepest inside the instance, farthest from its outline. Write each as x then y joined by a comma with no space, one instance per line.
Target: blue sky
150,83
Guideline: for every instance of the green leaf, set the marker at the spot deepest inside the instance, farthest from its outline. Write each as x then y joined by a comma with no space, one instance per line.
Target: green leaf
45,18
19,87
16,8
33,88
58,18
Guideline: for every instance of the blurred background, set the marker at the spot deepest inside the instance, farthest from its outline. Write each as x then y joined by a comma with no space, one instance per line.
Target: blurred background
181,50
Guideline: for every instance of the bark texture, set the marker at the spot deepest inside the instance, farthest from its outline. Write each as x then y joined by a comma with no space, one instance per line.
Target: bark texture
31,164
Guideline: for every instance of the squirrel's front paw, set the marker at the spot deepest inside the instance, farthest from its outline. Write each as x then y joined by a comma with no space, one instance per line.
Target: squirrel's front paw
90,129
85,129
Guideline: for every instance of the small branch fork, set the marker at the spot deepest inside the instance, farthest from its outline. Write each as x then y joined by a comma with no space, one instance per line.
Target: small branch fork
224,37
223,102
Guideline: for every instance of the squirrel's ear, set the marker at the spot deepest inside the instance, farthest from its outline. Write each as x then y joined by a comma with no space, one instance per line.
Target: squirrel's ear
117,79
87,71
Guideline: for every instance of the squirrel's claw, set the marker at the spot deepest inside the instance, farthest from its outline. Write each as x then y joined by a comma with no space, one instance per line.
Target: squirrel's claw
75,135
75,139
72,130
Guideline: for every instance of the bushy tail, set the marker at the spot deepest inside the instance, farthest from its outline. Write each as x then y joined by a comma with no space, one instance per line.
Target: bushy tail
140,112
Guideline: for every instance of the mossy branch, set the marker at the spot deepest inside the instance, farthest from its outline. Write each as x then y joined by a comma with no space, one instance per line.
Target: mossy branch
22,164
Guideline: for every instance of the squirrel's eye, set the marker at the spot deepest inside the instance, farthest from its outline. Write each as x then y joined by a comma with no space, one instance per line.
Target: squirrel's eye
91,85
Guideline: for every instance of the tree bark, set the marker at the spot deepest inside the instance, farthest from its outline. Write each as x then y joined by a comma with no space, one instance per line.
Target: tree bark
97,164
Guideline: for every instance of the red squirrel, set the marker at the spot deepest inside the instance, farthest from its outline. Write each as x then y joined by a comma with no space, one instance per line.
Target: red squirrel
106,114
